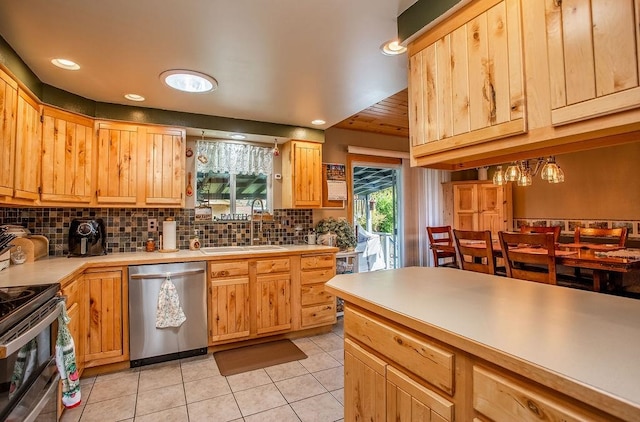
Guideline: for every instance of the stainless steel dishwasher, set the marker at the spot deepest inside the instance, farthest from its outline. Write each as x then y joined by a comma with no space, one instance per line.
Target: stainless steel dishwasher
148,344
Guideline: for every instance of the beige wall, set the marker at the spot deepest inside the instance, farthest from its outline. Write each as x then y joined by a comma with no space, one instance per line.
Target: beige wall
334,150
599,184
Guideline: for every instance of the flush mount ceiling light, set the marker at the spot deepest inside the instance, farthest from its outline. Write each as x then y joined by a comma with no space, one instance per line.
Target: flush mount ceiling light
318,122
189,81
238,136
65,64
392,48
134,97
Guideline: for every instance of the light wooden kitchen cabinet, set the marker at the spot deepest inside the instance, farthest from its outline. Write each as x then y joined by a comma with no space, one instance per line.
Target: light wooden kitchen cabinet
76,307
273,295
467,85
118,156
8,112
165,164
28,148
364,384
500,397
478,205
301,175
318,307
67,157
106,315
229,300
593,57
376,388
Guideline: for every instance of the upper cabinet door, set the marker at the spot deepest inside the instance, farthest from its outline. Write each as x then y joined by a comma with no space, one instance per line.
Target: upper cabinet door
28,148
165,162
8,111
117,163
301,175
593,57
467,86
67,157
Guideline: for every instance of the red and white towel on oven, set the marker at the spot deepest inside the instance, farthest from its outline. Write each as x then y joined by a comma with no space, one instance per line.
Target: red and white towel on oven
66,361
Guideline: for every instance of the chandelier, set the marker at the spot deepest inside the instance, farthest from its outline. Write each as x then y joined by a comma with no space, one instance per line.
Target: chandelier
522,172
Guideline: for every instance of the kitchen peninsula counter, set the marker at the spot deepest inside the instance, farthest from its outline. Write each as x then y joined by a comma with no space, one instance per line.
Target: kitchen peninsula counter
60,269
568,347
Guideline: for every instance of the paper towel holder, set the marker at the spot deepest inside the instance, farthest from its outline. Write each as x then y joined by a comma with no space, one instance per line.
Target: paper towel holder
163,238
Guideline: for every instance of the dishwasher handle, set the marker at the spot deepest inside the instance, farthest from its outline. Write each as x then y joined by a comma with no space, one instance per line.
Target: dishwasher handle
164,275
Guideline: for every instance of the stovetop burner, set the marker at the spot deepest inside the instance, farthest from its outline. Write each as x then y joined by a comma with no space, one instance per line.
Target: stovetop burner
18,302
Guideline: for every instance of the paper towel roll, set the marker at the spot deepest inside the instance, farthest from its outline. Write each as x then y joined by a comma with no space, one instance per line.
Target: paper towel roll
169,234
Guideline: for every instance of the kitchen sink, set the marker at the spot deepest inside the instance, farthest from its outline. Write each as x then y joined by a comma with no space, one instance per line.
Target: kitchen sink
213,250
220,249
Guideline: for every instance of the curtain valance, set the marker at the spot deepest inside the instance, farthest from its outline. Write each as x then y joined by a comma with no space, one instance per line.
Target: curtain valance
232,158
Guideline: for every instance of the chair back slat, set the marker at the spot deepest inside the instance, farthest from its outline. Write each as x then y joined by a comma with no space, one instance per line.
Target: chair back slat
472,258
542,229
529,256
619,235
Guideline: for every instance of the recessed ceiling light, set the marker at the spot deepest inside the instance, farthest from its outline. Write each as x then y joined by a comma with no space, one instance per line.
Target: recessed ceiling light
392,48
189,81
134,97
318,122
65,64
238,136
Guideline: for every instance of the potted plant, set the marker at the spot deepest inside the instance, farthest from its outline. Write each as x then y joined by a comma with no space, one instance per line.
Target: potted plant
345,235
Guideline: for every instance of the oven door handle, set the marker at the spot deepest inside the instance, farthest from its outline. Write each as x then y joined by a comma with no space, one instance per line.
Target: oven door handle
13,346
51,387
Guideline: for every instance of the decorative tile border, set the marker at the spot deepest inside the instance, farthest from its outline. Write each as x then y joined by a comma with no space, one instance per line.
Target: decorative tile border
127,227
569,226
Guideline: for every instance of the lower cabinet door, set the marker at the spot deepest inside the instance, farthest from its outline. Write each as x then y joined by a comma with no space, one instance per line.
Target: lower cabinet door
407,400
364,385
228,309
273,303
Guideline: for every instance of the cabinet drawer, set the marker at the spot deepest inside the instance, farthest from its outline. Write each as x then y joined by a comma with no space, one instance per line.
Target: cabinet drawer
228,269
313,294
273,266
317,276
417,354
503,399
72,292
318,261
319,315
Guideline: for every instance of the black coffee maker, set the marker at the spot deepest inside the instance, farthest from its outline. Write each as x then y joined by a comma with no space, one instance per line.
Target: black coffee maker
87,237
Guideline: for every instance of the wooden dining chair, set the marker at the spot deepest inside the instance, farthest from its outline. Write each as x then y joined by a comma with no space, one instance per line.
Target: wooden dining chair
529,256
441,244
542,229
473,257
618,235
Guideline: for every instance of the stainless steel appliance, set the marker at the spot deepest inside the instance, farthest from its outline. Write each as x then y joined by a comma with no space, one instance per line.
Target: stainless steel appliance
28,372
87,237
148,344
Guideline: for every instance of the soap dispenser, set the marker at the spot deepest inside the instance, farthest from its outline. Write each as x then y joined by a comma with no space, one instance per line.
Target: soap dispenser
194,243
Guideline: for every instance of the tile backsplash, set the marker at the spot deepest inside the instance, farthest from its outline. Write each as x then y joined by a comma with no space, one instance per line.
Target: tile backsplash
127,227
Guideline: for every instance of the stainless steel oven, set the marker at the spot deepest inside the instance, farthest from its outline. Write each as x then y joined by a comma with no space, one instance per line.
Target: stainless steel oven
28,372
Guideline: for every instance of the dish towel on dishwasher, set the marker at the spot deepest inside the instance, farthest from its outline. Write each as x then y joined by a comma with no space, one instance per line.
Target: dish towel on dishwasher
66,361
169,312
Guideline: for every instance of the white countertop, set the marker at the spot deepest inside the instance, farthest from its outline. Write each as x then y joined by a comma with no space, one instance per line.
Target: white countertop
58,269
590,338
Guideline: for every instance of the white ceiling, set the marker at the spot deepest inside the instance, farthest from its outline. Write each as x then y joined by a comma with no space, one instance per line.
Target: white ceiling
280,61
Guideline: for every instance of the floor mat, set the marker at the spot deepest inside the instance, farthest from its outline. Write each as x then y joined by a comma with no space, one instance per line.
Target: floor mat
248,358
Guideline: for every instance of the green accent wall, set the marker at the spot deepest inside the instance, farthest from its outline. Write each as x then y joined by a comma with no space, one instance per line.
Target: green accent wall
68,101
420,15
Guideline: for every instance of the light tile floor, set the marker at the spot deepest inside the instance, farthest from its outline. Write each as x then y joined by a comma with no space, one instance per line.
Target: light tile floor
308,390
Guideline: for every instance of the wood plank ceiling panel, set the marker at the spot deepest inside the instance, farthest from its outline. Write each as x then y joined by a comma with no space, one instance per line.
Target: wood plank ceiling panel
388,117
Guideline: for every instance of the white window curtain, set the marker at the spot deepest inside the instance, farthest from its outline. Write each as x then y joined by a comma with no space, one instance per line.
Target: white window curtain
233,158
423,207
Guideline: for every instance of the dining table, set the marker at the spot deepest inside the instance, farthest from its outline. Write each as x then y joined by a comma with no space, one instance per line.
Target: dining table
601,259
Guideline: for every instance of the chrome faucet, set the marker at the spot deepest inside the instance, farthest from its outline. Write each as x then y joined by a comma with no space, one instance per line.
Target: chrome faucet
253,203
